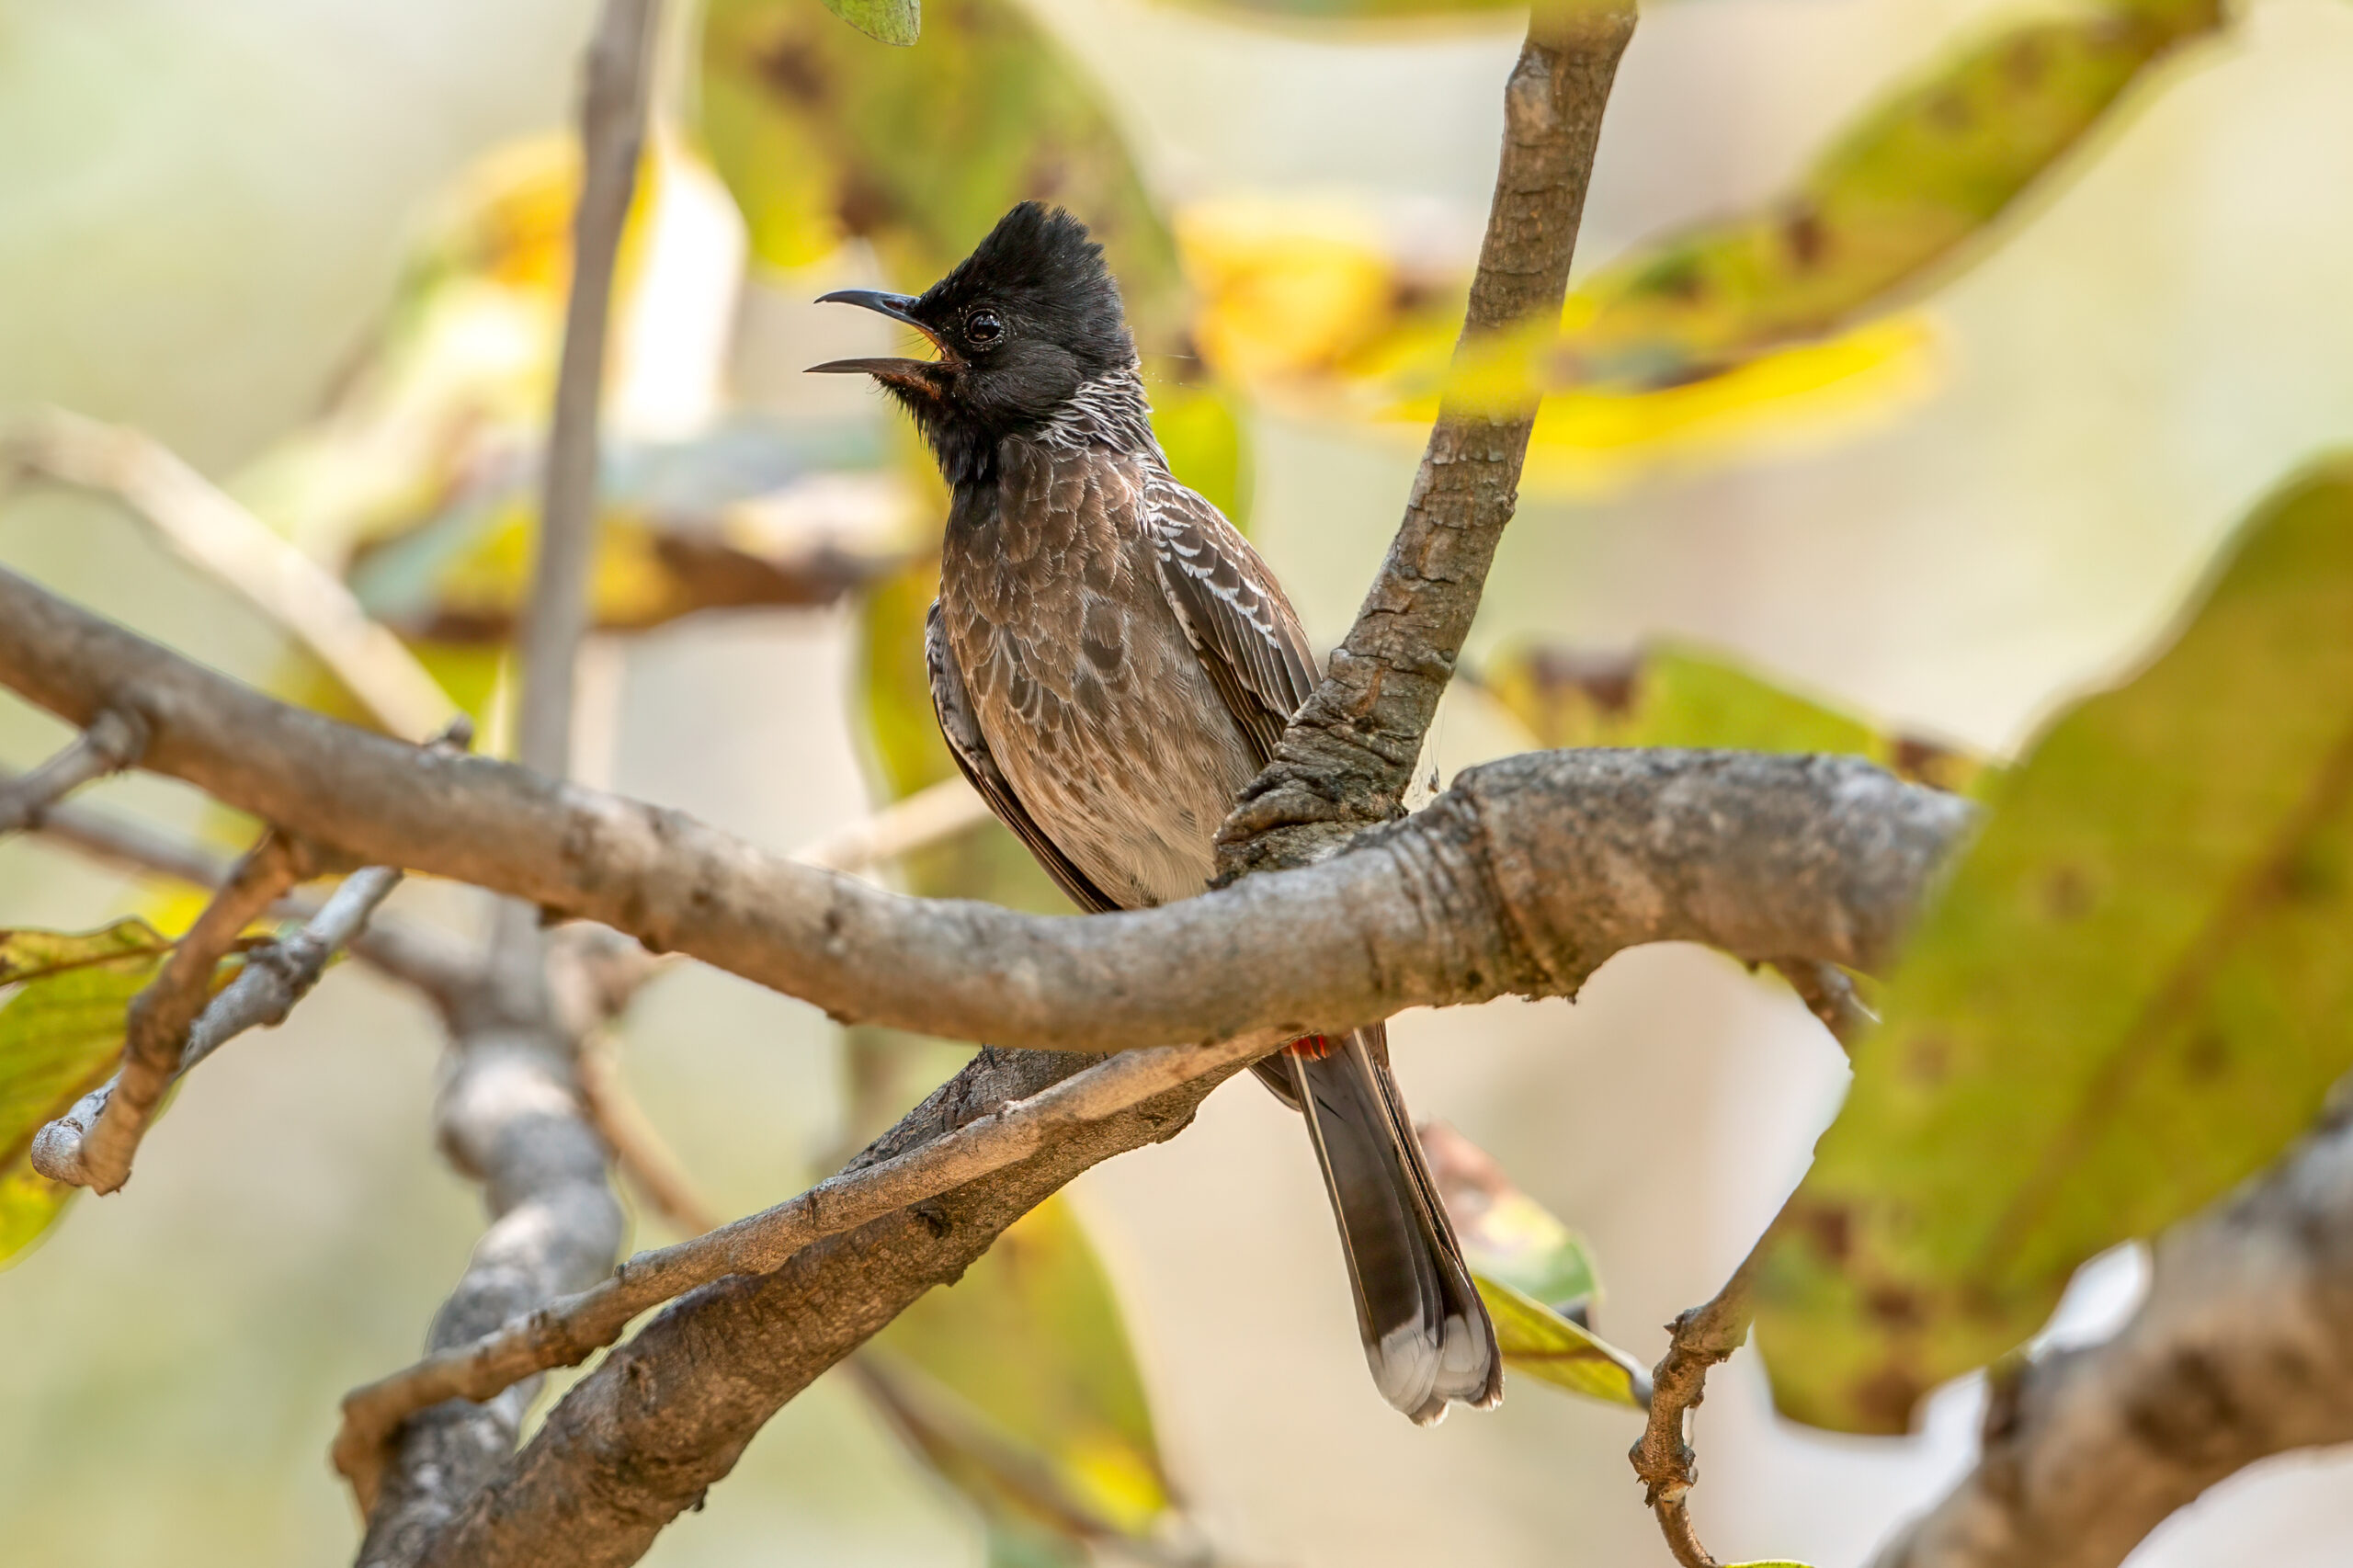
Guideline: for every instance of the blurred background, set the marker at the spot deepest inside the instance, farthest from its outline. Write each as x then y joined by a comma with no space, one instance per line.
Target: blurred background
307,247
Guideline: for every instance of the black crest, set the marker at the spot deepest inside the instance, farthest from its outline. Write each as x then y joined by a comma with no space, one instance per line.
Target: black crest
1039,269
1025,326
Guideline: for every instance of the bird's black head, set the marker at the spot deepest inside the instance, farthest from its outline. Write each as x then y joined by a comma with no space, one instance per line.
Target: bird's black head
1021,325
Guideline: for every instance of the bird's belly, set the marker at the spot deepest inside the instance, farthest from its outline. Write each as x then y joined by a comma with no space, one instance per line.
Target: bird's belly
1131,787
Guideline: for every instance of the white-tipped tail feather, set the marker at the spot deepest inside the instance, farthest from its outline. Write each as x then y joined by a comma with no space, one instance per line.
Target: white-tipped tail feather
1426,1335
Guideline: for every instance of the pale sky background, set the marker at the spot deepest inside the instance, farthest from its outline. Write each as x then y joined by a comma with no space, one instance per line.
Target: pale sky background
205,207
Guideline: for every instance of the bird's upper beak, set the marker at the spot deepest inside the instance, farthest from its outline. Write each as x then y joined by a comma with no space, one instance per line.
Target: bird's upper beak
922,375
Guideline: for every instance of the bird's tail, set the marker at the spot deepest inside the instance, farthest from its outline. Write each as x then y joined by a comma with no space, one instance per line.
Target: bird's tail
1426,1334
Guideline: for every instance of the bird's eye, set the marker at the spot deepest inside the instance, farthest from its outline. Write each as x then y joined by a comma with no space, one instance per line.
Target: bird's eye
984,328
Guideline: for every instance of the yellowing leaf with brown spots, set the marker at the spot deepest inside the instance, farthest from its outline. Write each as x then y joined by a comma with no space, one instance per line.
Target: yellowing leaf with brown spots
2132,993
1894,200
63,997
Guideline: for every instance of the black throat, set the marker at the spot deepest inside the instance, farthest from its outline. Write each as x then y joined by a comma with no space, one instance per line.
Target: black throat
1109,413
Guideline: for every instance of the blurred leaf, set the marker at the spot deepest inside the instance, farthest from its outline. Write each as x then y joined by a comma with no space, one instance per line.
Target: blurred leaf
1674,695
1559,1350
1900,192
1019,1386
891,21
1801,397
2132,995
1307,306
61,1030
921,151
1361,10
426,462
1291,289
747,513
1201,430
1535,1274
1755,332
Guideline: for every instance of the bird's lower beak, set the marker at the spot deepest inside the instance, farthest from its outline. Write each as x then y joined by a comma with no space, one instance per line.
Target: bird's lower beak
927,376
922,375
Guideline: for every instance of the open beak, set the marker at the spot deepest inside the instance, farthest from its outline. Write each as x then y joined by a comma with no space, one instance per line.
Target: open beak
922,375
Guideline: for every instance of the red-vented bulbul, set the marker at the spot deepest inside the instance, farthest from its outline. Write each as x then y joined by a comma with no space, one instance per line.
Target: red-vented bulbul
1111,662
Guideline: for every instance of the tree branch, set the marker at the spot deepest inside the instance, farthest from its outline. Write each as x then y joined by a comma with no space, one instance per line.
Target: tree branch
92,1145
566,1333
2242,1349
277,976
512,1113
938,811
1508,884
212,530
509,1116
648,1163
111,742
666,1415
612,133
1348,757
1663,1458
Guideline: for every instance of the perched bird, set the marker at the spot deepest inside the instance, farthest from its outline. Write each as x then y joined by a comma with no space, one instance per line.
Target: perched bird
1111,662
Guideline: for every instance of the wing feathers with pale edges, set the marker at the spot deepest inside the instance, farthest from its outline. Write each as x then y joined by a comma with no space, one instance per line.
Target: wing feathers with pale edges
971,749
1245,632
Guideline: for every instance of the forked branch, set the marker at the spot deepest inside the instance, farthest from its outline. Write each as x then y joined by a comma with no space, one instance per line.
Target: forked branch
92,1145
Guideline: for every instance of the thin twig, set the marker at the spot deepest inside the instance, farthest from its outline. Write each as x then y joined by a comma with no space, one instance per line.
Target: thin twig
432,960
93,1145
612,132
644,1159
277,976
567,1332
203,524
1349,754
1829,994
125,845
929,816
1663,1456
113,743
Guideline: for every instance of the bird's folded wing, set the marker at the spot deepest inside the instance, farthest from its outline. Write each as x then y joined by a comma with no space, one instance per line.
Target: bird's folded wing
971,749
1242,628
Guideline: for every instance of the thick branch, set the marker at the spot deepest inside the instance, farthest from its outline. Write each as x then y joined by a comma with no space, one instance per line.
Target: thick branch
1520,879
111,744
508,1116
566,1333
1348,757
92,1145
2242,1349
667,1414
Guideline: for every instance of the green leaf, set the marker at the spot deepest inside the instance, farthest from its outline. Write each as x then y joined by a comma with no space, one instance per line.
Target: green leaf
1019,1386
61,1030
919,152
1912,182
1536,1274
2132,995
1677,694
890,21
